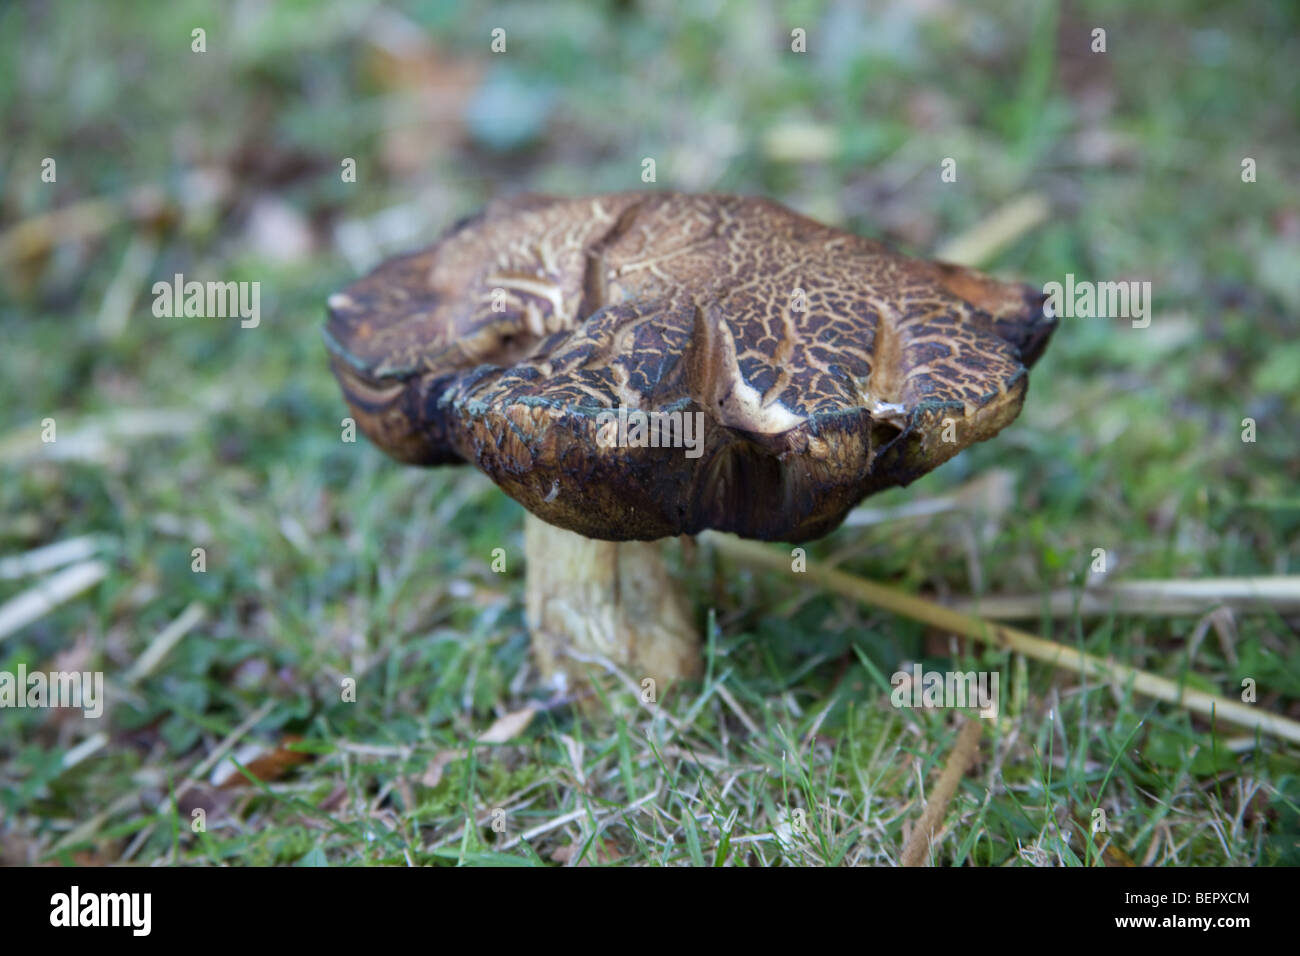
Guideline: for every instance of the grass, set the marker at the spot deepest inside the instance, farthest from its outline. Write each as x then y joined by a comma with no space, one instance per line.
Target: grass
325,561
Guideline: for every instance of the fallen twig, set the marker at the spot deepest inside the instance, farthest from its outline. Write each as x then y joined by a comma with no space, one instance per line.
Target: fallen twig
98,439
45,596
1151,597
917,849
51,556
162,645
999,635
994,233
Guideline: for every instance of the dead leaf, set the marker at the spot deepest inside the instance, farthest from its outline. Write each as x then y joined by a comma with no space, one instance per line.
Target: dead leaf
432,775
595,854
574,750
214,803
335,799
278,232
425,91
508,727
266,764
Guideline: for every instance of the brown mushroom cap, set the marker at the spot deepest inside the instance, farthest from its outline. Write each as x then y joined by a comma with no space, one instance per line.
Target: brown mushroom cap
503,342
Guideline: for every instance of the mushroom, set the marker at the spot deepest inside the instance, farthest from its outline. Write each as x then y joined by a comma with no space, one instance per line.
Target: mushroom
635,366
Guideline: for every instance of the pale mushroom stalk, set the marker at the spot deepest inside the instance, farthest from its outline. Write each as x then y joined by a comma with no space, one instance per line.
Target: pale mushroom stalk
590,602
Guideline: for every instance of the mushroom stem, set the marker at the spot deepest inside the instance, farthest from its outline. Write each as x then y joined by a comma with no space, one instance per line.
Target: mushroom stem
608,599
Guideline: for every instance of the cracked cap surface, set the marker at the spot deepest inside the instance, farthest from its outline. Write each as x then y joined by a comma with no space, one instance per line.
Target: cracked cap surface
822,366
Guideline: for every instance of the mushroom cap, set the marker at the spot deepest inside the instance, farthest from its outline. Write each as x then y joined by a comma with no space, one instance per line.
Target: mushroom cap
819,366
